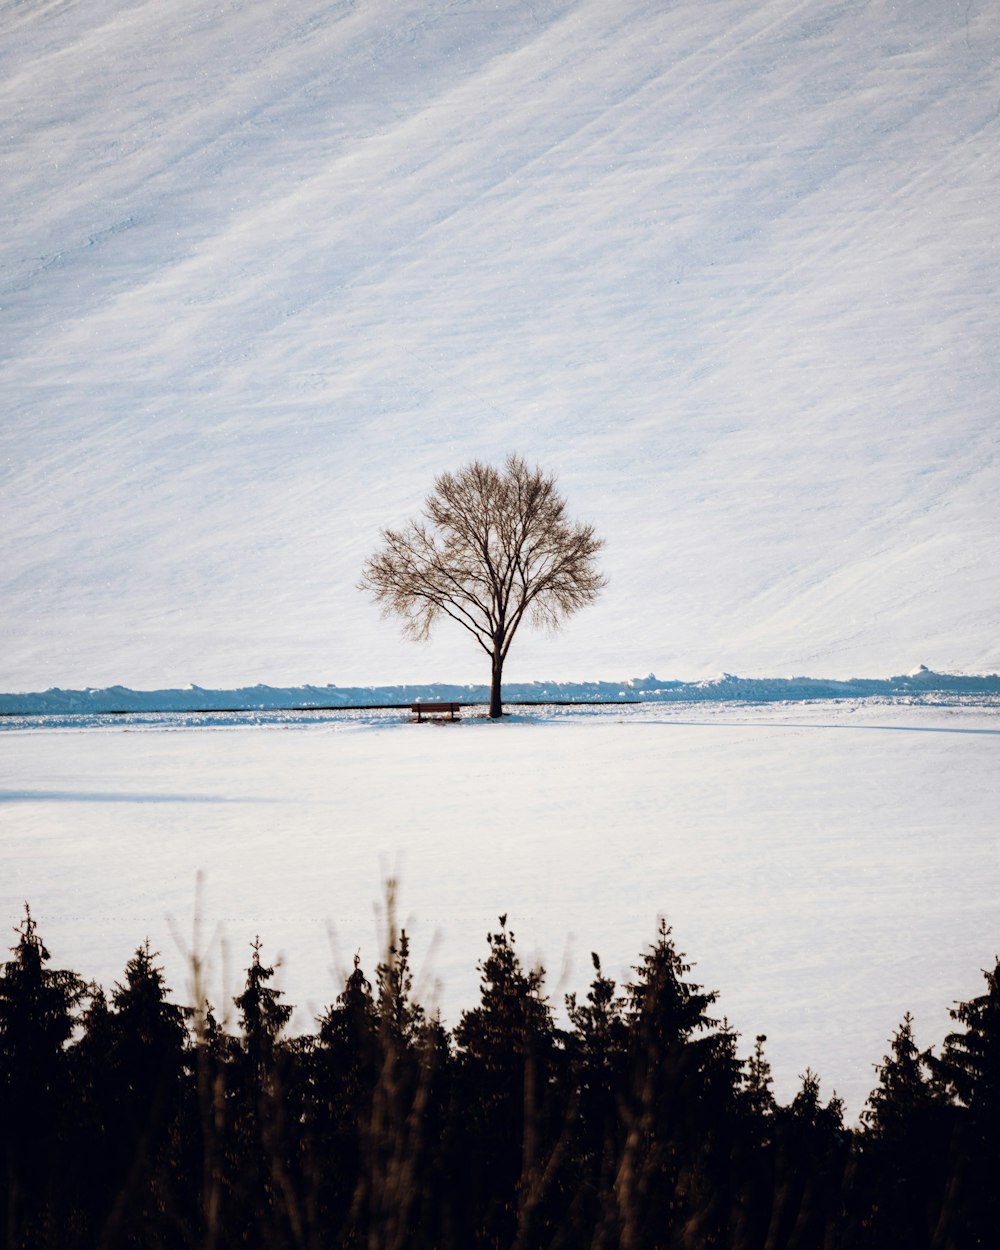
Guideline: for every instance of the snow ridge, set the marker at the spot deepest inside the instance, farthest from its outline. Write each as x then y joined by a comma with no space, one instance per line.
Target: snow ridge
650,689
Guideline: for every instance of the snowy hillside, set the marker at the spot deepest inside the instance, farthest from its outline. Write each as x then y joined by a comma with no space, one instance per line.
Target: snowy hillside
729,268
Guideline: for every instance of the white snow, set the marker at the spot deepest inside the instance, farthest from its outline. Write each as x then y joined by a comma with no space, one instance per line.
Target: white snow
920,685
729,268
828,866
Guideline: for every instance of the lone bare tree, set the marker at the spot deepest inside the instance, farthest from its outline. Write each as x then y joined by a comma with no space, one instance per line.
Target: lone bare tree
493,546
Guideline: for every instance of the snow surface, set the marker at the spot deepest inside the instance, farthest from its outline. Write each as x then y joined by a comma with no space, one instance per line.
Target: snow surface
921,685
728,267
827,865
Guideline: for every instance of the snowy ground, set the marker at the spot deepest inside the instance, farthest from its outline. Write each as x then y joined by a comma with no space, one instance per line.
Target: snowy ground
728,267
827,865
920,685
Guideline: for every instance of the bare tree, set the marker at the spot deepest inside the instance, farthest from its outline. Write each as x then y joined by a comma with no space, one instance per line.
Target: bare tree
493,546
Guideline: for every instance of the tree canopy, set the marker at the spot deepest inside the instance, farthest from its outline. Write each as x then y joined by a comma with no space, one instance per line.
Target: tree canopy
493,547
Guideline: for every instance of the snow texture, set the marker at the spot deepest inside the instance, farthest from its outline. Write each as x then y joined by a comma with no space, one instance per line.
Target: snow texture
729,268
828,865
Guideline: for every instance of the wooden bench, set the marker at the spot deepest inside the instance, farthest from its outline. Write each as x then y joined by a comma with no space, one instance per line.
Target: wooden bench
435,709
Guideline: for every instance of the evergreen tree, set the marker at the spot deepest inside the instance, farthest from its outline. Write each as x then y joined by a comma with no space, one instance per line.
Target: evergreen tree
513,1018
399,1192
969,1066
94,1137
262,1017
342,1069
807,1110
347,1033
663,1007
758,1094
207,1124
598,1041
903,1149
672,1173
145,1056
264,1201
754,1151
400,1016
148,1035
506,1075
812,1151
968,1073
37,1006
597,1049
903,1093
639,1128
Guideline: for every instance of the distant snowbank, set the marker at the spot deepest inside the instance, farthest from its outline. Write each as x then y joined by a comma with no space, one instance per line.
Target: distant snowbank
650,689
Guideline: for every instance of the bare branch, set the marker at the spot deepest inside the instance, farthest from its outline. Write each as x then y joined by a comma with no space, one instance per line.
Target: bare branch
493,546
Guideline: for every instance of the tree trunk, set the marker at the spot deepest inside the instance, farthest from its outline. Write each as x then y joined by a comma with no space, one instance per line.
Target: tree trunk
496,707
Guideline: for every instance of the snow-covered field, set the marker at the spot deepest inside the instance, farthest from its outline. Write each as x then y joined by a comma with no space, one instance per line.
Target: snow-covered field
828,865
729,267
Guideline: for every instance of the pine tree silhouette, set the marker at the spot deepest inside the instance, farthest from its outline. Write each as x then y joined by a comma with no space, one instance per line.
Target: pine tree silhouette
265,1198
682,1090
902,1149
37,1006
505,1081
262,1016
597,1048
811,1155
904,1091
968,1073
145,1056
342,1069
758,1092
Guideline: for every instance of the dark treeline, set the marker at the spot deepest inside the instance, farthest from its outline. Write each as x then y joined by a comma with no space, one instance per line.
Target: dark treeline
127,1120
